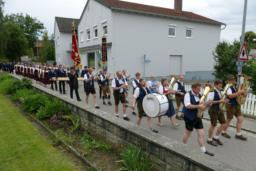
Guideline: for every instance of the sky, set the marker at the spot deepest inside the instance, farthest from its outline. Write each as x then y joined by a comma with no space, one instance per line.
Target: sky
225,11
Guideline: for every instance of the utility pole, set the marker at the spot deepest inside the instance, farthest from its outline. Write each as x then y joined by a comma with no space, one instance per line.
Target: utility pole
240,63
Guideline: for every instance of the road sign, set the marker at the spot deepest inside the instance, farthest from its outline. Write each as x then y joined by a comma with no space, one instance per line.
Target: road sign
243,54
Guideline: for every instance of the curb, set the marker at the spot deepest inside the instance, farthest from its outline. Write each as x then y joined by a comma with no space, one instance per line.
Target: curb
69,147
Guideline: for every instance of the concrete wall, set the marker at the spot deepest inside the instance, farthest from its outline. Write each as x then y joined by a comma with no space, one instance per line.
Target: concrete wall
136,35
63,42
166,154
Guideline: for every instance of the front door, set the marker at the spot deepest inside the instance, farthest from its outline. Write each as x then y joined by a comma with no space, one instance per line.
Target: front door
175,64
91,60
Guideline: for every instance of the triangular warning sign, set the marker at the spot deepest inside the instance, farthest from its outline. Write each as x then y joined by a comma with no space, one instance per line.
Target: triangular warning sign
243,54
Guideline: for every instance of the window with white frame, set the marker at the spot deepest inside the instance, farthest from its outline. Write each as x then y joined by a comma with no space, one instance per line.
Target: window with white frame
88,34
95,28
172,31
188,32
105,29
81,36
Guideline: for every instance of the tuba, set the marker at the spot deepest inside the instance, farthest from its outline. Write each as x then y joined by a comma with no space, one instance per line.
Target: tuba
244,84
224,96
171,84
207,90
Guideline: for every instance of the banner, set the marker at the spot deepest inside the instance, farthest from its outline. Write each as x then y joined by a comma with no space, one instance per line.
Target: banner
75,54
104,50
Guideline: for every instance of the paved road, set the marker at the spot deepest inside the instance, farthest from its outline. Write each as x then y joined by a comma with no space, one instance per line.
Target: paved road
234,152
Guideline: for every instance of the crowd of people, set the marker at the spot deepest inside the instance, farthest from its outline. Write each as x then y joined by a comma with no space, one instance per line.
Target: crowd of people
183,105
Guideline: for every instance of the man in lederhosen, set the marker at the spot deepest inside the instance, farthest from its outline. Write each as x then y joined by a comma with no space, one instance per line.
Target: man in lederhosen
190,110
135,84
89,87
118,85
234,109
104,79
179,95
216,114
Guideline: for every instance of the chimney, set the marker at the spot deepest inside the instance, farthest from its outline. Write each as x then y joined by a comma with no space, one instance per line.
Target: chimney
178,6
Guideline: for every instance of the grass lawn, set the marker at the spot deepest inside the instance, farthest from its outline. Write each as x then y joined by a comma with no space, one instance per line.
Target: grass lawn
22,148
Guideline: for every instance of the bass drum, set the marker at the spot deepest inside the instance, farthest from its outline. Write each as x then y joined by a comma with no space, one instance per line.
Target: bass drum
155,105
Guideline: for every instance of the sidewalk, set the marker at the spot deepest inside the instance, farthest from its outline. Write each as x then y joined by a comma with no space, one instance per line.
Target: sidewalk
249,124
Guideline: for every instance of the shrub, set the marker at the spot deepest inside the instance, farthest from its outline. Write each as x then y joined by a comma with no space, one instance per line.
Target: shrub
75,120
51,108
6,84
19,84
67,138
90,143
21,94
9,85
4,76
133,159
33,102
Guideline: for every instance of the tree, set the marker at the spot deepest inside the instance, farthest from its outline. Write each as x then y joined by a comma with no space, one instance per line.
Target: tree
31,27
225,56
17,43
48,51
2,37
249,37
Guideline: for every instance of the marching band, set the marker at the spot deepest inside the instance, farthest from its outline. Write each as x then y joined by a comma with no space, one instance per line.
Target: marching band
153,99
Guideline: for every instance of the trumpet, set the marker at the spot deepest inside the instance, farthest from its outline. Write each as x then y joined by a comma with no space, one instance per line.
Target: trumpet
171,84
224,96
244,84
207,90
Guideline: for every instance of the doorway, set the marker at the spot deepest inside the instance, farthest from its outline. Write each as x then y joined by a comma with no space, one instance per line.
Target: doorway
175,65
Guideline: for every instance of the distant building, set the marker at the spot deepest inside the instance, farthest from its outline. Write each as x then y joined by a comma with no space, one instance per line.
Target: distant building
152,40
63,40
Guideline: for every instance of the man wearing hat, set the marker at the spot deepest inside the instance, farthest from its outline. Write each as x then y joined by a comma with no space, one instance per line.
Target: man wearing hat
234,109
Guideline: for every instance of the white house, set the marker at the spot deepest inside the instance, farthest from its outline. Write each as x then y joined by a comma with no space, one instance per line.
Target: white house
63,40
151,40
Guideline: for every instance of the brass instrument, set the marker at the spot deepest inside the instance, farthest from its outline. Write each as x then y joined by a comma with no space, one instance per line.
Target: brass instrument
207,90
171,84
224,96
244,84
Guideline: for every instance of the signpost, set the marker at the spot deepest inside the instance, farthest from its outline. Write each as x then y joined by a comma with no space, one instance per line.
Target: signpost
242,46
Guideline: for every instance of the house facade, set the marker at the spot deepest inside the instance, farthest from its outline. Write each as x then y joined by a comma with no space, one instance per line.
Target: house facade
151,40
63,40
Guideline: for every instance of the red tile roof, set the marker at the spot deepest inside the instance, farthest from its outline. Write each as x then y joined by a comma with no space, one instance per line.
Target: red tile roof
158,11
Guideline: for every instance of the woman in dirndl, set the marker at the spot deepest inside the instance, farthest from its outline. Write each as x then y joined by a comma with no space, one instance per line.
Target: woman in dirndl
164,90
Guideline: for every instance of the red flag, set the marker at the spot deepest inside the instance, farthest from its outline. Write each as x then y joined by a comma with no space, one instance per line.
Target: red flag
75,54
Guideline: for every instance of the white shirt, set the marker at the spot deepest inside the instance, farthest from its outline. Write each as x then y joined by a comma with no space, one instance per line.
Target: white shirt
187,98
137,92
134,85
86,78
102,78
229,92
210,96
121,81
175,86
161,89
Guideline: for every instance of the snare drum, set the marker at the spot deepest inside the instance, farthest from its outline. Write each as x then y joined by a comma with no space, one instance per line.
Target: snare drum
155,105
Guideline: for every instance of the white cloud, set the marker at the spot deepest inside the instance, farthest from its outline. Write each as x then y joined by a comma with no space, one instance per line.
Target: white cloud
226,11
